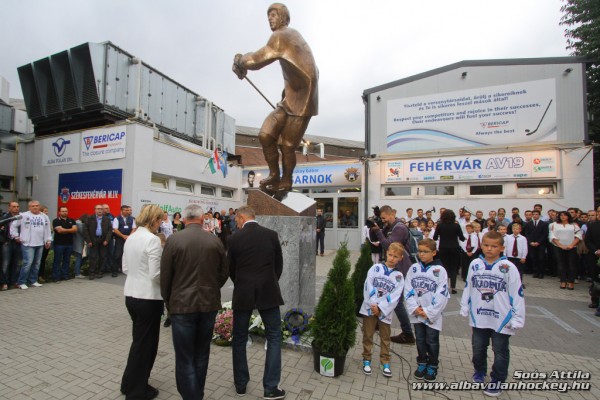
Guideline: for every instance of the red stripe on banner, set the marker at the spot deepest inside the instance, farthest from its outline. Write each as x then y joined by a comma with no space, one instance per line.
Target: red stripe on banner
100,146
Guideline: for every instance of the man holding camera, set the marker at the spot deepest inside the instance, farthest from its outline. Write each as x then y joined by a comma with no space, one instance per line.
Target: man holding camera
395,231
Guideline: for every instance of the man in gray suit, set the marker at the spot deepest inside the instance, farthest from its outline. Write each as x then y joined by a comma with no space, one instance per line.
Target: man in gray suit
193,269
255,265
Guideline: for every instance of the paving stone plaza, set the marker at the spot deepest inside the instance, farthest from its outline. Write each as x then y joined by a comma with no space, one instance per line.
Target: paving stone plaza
70,341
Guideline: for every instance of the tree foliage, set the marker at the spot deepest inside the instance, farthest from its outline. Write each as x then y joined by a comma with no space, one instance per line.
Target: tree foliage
361,269
334,327
581,20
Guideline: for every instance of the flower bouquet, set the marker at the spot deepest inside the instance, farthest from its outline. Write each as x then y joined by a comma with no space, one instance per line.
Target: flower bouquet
222,333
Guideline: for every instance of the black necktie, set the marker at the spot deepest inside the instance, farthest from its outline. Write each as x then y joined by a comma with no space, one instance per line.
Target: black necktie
515,251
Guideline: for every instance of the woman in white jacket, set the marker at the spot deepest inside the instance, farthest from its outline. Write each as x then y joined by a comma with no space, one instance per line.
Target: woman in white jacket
141,264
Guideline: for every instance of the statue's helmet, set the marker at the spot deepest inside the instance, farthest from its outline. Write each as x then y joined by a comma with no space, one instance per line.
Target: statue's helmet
283,12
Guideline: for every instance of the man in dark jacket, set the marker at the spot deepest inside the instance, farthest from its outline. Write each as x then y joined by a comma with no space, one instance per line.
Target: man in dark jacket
97,235
255,265
395,231
536,232
193,269
320,226
592,241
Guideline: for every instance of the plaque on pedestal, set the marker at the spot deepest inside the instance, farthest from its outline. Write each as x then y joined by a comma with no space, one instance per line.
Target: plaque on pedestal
293,219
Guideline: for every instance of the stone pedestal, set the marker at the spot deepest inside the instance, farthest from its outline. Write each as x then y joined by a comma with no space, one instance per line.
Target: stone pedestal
296,229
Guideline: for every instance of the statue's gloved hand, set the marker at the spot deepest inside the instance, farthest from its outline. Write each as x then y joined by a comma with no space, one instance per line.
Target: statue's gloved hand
237,68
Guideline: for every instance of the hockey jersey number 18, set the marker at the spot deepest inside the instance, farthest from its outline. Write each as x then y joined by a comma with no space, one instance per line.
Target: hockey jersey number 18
493,297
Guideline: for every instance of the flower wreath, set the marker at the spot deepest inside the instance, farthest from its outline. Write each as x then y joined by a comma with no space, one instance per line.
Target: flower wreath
296,322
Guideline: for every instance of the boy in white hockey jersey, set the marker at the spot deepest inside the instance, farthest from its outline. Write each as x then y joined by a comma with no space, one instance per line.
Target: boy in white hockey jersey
494,302
426,295
382,290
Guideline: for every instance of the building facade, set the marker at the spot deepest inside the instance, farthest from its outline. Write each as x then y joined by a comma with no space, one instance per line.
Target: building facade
481,134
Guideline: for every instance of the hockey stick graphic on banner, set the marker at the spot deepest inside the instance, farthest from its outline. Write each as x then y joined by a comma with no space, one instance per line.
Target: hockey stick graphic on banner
528,132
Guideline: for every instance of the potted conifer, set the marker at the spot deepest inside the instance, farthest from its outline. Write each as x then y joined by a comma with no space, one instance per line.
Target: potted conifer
361,269
334,326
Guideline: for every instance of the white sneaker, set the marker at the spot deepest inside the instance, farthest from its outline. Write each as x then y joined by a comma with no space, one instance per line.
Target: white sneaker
367,367
36,284
386,371
23,286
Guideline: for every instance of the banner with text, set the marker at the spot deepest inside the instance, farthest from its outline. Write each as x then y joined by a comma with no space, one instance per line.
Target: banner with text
172,203
520,113
537,164
81,191
103,144
61,150
313,175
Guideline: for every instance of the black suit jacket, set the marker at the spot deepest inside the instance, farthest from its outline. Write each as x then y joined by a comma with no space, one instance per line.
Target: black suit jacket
592,236
89,231
321,223
255,266
537,234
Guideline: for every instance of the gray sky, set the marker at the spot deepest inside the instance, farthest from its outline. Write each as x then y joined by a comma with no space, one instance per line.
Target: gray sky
357,44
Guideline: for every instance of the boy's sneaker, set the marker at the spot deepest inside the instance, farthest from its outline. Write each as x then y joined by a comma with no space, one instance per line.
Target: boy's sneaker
23,286
420,372
367,367
493,389
36,284
431,373
275,394
386,371
478,377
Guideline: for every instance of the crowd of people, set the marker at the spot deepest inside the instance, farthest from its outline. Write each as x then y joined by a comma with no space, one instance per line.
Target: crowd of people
556,243
416,261
97,238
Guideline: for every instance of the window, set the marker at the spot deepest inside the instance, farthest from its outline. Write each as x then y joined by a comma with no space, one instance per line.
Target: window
434,190
159,182
348,213
536,189
481,190
6,182
29,187
227,193
326,204
207,190
183,186
396,190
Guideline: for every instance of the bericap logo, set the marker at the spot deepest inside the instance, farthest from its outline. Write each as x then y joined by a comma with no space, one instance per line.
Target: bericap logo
102,140
88,141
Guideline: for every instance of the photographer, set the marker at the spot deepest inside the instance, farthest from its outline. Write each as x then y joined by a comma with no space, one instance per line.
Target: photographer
370,237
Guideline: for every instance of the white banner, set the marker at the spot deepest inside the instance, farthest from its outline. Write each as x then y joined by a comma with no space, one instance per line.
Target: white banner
61,150
103,144
171,202
537,164
495,115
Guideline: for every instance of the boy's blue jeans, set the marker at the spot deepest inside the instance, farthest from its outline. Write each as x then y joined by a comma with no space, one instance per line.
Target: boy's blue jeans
480,341
428,344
